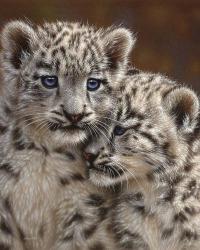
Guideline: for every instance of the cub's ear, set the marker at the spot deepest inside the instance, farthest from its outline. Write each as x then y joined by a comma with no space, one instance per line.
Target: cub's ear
17,41
118,44
183,104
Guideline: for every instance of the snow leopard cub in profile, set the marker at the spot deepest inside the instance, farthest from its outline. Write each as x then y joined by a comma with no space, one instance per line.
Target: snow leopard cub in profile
58,82
154,157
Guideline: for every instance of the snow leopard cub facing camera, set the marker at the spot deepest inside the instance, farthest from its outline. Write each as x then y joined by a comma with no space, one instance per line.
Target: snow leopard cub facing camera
154,157
63,74
58,82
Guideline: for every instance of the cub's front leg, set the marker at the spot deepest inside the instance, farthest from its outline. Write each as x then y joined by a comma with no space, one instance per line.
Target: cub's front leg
83,221
10,236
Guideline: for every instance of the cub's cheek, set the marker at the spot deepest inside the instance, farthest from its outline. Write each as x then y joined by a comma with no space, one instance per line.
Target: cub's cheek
135,165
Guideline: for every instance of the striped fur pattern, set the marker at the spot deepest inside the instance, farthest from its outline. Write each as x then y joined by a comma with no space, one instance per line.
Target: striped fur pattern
153,156
45,113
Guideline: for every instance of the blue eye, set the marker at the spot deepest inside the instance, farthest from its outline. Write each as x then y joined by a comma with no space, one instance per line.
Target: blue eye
93,84
118,130
49,82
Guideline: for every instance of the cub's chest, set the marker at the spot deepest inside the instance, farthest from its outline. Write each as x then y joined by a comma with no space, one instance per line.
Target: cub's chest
37,188
39,178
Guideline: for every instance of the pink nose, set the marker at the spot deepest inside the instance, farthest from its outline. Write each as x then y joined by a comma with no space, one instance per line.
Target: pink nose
89,156
74,118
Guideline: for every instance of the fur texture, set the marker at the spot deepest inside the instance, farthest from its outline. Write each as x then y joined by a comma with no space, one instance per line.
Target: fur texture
153,156
46,202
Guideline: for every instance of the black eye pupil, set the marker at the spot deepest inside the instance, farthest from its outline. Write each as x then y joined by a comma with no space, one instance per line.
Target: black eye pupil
93,84
49,82
118,130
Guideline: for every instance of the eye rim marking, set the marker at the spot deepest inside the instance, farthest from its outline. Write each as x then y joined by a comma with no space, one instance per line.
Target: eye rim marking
45,77
99,82
123,130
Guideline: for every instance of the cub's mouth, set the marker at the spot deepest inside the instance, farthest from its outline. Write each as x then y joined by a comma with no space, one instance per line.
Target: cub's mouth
71,128
110,170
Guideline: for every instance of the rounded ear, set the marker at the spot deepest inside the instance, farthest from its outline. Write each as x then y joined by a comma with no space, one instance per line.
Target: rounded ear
17,41
183,104
118,44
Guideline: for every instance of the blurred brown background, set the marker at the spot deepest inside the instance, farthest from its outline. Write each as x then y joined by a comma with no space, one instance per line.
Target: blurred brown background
168,31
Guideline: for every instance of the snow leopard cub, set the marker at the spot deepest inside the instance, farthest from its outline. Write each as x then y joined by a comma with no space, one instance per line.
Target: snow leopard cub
71,67
58,82
154,157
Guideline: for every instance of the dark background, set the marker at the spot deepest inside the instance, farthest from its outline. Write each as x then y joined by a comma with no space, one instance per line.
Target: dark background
168,31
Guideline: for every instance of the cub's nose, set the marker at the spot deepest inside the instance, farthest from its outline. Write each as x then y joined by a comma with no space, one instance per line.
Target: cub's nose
74,118
90,157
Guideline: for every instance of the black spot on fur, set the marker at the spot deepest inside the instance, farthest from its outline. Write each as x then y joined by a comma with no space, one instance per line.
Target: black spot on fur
88,232
122,88
170,195
5,227
3,129
140,209
190,191
68,237
7,168
134,91
77,177
150,177
169,91
64,181
63,51
149,137
43,54
167,233
17,139
95,200
41,231
19,142
21,234
192,184
45,150
189,235
44,65
54,52
77,218
68,154
188,167
4,247
7,110
97,246
103,212
191,210
7,205
177,179
180,217
57,65
133,71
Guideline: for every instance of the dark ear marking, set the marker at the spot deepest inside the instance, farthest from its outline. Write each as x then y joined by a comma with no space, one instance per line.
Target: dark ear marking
183,104
17,42
118,44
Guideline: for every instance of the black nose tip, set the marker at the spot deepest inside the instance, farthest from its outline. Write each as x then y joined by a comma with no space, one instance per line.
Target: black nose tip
89,156
74,118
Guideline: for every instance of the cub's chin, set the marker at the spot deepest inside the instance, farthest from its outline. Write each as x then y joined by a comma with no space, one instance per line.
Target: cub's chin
72,137
103,178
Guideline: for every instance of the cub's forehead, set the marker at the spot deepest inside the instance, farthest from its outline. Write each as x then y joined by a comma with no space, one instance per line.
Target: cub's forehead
71,47
139,104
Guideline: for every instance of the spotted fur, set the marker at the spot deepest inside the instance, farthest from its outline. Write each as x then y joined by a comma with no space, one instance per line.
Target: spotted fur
153,156
41,173
74,53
